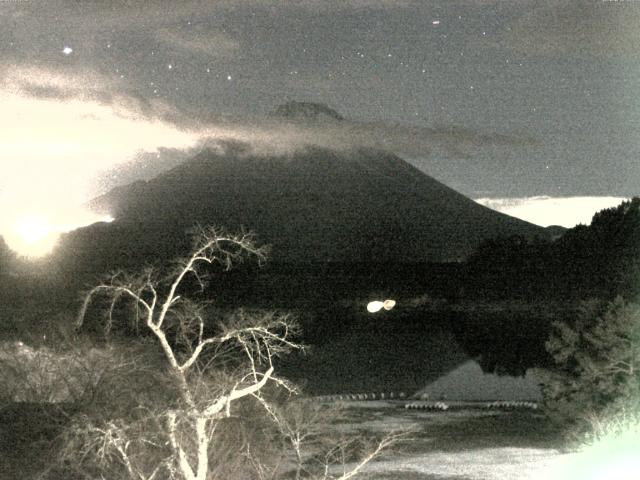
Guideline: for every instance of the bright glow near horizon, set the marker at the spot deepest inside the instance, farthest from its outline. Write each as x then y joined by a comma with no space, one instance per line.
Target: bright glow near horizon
52,151
32,230
546,211
35,235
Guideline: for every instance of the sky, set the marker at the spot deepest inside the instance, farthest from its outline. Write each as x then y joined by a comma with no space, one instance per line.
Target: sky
502,100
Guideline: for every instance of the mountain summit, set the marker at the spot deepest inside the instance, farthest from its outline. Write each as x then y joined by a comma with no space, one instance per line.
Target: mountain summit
306,111
318,204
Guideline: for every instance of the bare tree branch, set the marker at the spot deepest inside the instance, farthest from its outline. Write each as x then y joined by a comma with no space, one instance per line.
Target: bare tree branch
259,337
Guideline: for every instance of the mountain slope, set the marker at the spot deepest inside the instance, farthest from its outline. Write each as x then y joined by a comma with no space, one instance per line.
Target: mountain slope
315,205
306,111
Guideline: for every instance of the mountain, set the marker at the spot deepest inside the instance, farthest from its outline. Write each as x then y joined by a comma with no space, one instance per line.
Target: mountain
306,111
317,204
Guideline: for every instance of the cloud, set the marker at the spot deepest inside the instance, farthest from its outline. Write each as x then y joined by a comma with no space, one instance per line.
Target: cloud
46,83
97,106
578,27
51,148
38,27
277,135
270,135
116,15
546,211
72,137
86,85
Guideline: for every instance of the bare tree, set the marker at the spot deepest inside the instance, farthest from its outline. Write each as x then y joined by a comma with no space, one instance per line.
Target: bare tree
178,440
178,325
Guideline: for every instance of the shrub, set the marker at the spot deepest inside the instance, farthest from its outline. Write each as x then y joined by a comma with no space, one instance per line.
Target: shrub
596,376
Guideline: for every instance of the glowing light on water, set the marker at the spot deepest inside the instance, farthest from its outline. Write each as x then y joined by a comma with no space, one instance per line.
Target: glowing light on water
377,305
373,307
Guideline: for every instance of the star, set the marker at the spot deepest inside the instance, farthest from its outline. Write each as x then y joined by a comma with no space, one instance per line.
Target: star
228,77
67,50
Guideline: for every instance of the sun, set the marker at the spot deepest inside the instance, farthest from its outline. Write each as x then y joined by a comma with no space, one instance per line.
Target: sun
32,236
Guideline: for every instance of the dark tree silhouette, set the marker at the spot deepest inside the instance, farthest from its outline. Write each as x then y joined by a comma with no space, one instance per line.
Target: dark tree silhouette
596,374
7,257
600,260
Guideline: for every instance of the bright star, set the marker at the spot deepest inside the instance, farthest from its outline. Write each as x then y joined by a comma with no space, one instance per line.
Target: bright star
67,50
